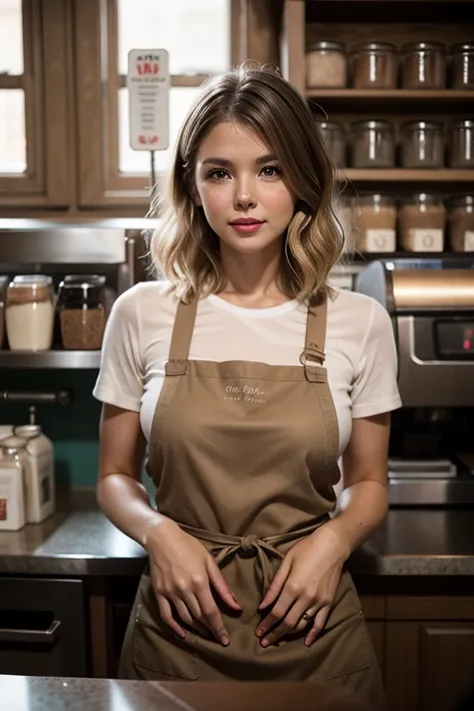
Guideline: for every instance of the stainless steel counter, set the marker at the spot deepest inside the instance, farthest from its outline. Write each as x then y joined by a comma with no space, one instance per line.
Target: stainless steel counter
83,542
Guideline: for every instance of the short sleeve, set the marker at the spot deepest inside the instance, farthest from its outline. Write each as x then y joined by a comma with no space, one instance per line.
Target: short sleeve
120,380
375,388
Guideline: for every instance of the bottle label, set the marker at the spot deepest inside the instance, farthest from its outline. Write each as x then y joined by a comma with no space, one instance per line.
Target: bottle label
422,240
380,240
469,241
3,510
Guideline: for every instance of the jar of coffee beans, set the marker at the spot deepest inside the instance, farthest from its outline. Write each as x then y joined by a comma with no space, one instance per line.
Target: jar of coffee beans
82,313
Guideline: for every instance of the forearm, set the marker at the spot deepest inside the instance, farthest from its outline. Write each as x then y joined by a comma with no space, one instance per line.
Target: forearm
361,509
125,502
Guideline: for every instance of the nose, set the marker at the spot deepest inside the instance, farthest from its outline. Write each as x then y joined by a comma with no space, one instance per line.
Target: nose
244,196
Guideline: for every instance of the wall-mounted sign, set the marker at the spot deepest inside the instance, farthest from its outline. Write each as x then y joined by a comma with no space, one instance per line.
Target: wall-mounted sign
148,82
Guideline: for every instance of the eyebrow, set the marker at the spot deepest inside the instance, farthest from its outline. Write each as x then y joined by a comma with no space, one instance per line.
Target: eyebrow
228,163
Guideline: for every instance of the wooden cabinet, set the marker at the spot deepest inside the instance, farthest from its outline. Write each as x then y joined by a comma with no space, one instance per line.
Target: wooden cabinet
373,607
429,653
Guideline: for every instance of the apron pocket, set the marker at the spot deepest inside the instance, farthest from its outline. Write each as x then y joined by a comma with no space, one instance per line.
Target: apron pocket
158,649
344,637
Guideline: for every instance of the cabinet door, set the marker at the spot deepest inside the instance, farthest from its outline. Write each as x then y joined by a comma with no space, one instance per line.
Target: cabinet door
42,627
429,665
373,607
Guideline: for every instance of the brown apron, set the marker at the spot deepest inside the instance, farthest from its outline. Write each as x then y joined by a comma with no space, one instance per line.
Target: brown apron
244,458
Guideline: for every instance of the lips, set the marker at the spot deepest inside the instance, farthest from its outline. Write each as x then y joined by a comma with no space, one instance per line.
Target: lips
246,221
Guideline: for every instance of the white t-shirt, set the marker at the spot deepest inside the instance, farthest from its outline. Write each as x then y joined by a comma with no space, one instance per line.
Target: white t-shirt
360,350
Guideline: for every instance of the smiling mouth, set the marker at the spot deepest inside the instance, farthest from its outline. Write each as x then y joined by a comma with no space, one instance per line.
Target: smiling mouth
246,221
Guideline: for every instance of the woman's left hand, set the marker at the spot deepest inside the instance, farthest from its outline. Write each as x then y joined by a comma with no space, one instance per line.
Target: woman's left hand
306,582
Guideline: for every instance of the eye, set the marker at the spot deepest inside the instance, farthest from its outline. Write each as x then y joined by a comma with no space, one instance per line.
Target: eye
217,174
270,171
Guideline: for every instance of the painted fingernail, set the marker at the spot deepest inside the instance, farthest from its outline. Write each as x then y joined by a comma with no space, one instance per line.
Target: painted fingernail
259,632
225,640
265,642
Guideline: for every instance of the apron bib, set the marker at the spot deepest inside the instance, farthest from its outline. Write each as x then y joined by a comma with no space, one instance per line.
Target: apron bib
244,458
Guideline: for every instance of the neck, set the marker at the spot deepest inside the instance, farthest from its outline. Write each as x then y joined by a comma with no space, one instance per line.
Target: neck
252,276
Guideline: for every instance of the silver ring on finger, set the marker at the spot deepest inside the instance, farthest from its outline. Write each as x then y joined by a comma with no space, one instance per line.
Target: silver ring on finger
307,616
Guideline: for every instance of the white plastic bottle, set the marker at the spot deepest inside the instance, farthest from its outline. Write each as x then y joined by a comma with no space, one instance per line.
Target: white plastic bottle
12,486
39,473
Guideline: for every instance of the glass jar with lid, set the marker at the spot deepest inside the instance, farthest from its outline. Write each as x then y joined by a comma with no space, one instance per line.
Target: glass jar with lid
422,144
461,144
81,308
334,138
29,313
461,223
376,223
422,221
373,144
326,65
423,65
462,65
374,66
12,483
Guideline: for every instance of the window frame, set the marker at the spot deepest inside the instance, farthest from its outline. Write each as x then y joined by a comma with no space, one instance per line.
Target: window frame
48,179
100,181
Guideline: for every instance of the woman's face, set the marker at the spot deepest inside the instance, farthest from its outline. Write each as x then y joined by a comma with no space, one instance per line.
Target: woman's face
241,188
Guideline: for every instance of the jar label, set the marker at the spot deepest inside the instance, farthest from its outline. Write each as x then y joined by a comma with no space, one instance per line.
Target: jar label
380,240
426,240
469,241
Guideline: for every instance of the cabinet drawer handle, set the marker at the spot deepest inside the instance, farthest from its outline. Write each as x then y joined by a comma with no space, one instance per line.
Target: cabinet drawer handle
47,637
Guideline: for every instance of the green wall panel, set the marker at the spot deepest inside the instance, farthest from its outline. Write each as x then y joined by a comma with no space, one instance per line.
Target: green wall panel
73,428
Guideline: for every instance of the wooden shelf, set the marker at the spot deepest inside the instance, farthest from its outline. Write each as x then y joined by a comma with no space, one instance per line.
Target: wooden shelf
418,96
361,257
399,175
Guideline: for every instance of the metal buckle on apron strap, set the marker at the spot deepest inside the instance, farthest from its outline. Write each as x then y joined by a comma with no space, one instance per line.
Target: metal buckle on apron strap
312,359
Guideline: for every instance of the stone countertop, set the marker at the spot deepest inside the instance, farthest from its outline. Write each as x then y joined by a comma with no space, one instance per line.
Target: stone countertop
20,693
80,541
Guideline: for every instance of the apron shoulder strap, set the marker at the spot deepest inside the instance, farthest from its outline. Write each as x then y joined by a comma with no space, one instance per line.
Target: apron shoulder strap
316,333
183,331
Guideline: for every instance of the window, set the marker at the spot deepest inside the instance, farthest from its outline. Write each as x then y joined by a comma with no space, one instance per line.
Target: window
197,35
35,138
12,96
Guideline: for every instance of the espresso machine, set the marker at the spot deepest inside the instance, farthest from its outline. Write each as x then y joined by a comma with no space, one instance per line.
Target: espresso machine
431,305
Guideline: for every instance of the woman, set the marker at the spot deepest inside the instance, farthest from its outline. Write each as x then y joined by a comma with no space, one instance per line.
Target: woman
248,377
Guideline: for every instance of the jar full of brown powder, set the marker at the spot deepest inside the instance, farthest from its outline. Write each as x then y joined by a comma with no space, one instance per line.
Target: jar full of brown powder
461,223
374,66
462,65
82,313
423,65
422,220
376,223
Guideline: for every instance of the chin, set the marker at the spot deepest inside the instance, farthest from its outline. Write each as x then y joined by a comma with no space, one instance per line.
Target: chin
248,244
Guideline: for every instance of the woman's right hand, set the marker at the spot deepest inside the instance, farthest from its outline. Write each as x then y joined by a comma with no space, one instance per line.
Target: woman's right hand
181,571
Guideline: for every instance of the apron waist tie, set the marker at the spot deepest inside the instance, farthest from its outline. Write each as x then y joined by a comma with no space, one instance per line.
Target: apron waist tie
222,546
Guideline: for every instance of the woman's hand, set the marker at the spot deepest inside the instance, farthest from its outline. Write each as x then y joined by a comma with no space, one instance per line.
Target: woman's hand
181,571
306,582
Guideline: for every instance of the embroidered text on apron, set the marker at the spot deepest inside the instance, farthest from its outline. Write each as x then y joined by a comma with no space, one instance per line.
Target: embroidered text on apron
244,458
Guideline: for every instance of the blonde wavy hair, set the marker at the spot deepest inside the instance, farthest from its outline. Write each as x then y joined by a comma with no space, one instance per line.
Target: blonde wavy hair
185,250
